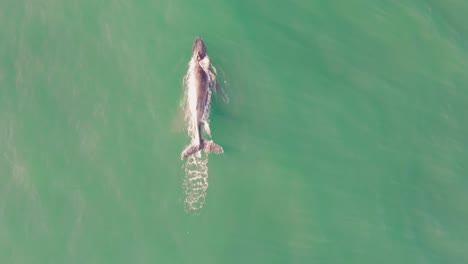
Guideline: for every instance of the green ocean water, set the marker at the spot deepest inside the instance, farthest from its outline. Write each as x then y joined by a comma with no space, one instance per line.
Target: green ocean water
345,136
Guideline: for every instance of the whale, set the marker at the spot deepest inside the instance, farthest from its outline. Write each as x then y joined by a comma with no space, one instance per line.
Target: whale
200,81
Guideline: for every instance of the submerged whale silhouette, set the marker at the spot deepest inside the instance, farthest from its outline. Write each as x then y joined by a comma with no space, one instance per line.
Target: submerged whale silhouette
200,79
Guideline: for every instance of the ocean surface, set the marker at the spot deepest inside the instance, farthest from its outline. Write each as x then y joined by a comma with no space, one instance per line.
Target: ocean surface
345,136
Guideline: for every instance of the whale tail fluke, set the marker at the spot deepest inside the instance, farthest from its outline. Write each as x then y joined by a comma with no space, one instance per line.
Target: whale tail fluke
205,145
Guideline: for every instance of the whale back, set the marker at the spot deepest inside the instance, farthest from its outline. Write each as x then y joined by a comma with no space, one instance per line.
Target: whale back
202,83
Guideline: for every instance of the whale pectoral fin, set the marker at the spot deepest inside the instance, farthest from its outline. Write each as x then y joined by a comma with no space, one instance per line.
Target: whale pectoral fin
213,82
207,129
214,69
215,86
220,91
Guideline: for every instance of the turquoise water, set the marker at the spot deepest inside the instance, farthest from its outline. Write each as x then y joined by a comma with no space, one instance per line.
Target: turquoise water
344,137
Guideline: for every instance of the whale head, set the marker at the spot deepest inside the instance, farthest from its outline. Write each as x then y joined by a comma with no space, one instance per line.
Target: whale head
199,49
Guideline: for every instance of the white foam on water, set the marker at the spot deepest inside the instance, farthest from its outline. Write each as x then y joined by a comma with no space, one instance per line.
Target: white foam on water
195,183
